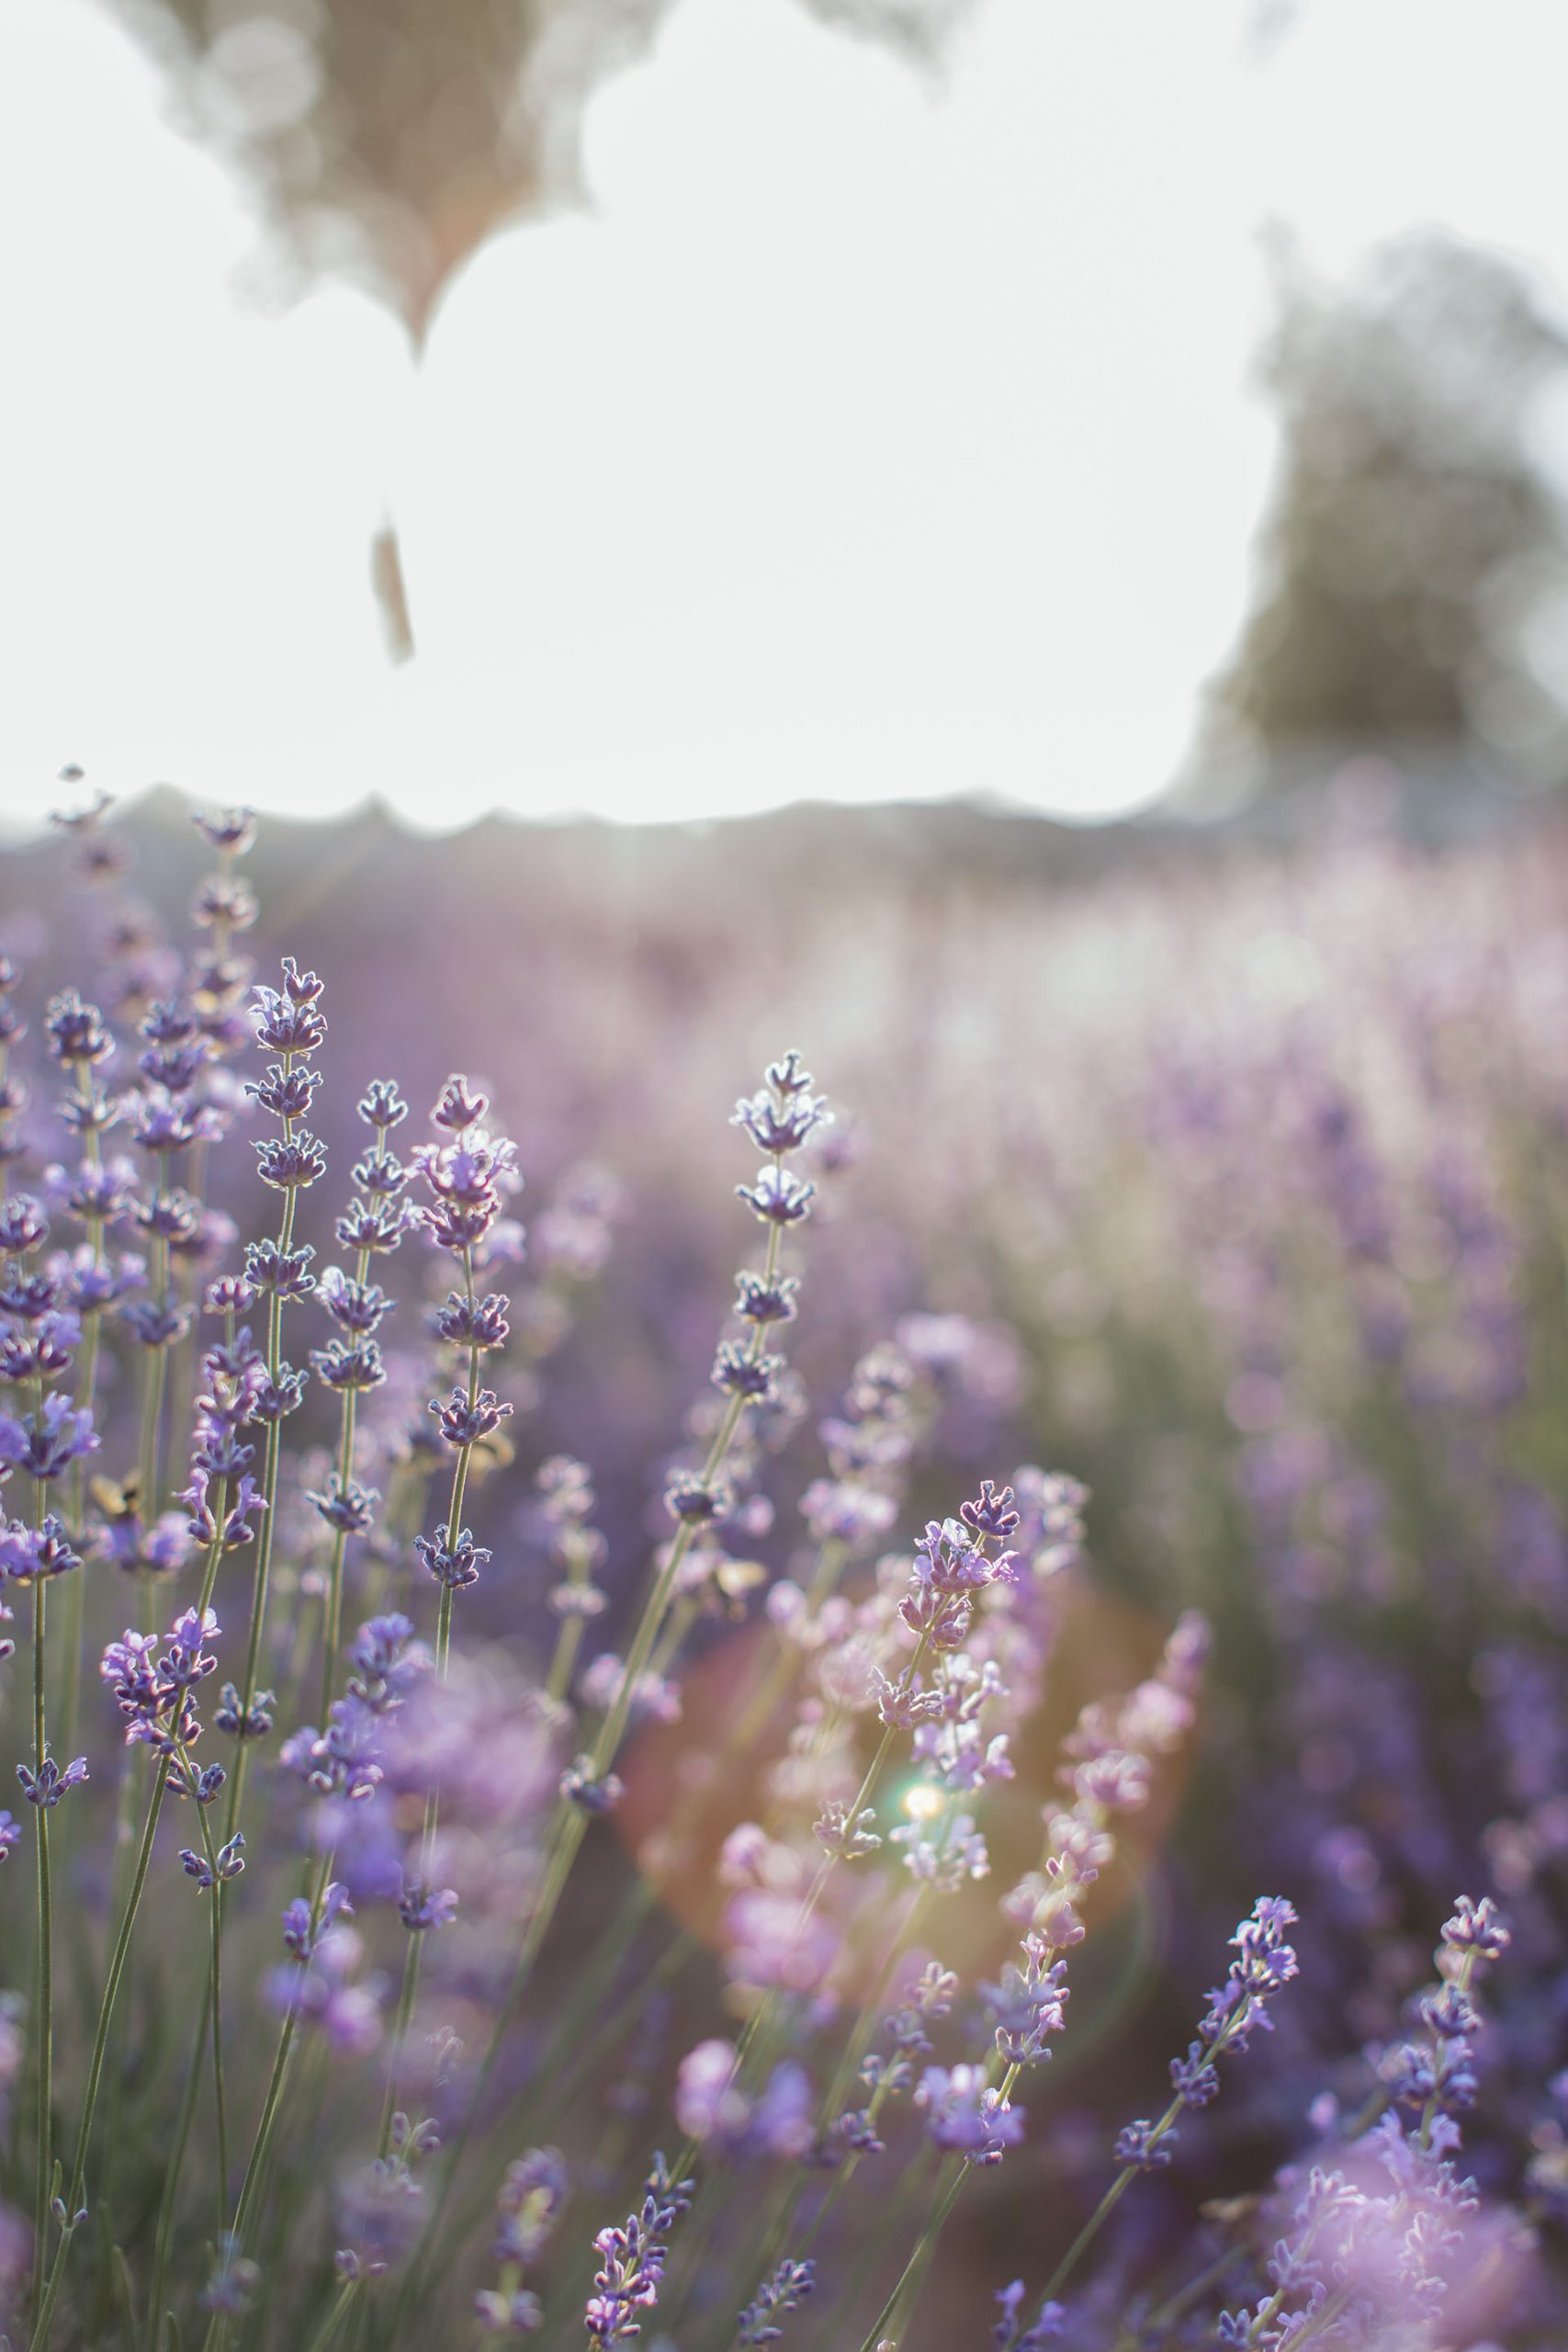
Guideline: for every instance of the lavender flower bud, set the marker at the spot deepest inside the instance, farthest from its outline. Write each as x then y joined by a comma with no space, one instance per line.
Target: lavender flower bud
231,831
967,2117
785,2290
778,1196
43,1444
457,1109
239,1723
284,1273
48,1785
1477,1928
288,1021
696,1500
341,1366
421,1908
457,1565
780,1123
480,1324
77,1037
579,1787
845,1839
350,1508
462,1424
737,1372
381,1106
289,1164
759,1301
35,1555
23,1225
1138,2143
284,1093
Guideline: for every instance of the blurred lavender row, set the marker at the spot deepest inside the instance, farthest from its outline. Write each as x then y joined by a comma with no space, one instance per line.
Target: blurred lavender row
644,1715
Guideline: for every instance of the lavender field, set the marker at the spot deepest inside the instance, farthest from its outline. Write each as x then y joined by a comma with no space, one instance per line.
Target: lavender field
806,1584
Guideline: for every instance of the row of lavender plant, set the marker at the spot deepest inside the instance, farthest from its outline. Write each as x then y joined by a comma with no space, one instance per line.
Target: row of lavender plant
387,2049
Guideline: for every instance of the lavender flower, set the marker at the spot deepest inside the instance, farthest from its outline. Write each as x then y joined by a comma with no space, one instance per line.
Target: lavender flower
967,2116
785,2290
36,1554
631,2258
287,1020
326,1989
1264,1963
43,1445
778,1196
533,2196
1010,2334
45,1787
229,1861
421,1908
156,1693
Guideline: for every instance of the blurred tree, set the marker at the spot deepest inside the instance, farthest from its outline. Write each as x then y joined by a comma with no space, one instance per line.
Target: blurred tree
1413,567
390,137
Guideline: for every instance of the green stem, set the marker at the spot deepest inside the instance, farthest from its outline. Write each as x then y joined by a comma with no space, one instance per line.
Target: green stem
285,2038
849,2069
44,2018
214,1549
334,2320
332,1641
915,2269
269,1508
426,1846
906,2193
95,2065
258,1613
612,1729
570,1824
1182,2302
406,1999
171,2173
215,1895
87,1386
926,2244
763,2015
1316,2321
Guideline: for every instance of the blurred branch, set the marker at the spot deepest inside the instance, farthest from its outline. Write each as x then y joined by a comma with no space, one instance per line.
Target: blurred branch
390,138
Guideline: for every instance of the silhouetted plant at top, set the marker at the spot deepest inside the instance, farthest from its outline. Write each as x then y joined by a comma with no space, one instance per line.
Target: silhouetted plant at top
393,137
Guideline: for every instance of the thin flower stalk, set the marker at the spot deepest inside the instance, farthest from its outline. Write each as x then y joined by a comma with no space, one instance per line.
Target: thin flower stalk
288,1021
75,2212
780,1120
1265,1962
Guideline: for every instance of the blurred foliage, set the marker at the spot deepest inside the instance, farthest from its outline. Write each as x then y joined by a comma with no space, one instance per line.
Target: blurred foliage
1413,563
391,136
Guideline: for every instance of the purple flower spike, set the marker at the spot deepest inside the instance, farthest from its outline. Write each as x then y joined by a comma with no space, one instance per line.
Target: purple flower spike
455,1564
48,1785
967,2116
785,2290
421,1908
463,1424
633,2256
286,1020
579,1785
778,1196
34,1554
41,1445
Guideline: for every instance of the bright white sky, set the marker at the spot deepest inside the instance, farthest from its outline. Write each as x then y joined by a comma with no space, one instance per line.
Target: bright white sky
869,439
